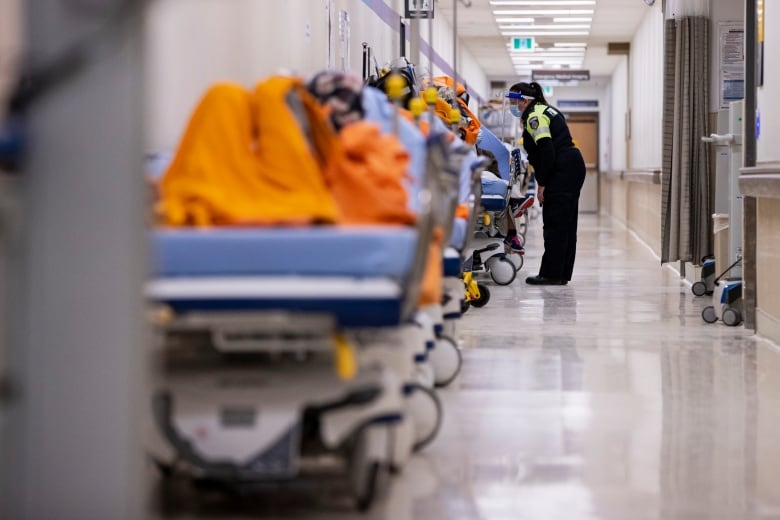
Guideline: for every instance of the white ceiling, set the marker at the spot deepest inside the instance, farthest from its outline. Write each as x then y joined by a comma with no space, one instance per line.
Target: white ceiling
613,21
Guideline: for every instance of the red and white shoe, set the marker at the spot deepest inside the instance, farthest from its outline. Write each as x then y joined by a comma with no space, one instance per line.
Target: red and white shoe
519,209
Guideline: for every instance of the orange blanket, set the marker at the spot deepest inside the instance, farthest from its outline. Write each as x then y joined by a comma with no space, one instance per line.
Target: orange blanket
245,160
366,177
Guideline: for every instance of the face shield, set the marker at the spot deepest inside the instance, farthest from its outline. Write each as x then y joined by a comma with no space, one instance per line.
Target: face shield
514,108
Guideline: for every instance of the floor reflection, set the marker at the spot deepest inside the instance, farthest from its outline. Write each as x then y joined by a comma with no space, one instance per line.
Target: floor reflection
708,456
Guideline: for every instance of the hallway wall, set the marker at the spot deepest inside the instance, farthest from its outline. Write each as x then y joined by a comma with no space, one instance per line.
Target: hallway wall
618,93
768,209
646,88
636,86
190,45
768,102
768,267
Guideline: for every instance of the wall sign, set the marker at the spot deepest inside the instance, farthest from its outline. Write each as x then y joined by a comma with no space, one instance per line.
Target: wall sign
560,75
731,46
418,8
578,103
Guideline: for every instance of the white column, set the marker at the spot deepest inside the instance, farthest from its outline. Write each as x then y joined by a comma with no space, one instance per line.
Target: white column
72,447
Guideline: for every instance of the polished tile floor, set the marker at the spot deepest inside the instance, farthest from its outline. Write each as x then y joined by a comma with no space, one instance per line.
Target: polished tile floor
608,399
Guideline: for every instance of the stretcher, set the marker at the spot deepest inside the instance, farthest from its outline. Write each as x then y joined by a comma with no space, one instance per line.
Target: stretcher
273,345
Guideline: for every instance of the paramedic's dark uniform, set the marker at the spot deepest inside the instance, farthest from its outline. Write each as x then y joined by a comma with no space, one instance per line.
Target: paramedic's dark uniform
560,168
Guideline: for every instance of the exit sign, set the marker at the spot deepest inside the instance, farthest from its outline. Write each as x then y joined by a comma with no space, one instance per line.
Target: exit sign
522,44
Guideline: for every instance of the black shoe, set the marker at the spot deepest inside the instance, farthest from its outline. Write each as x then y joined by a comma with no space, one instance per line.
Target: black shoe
541,280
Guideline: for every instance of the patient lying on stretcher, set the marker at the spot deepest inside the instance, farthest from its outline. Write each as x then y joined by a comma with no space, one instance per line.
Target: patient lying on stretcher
269,157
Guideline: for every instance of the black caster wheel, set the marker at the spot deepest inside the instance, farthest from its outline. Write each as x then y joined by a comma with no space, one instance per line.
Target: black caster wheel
364,474
446,360
484,296
699,289
426,411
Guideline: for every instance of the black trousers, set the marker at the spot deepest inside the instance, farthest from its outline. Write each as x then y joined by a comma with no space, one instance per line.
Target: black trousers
560,212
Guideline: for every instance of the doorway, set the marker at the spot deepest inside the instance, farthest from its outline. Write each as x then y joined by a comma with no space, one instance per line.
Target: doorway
584,128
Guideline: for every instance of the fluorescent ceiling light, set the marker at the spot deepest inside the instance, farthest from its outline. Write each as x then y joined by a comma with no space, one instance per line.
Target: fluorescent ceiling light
528,59
537,3
543,19
537,56
544,33
570,44
516,20
573,63
562,50
544,12
551,50
573,19
544,27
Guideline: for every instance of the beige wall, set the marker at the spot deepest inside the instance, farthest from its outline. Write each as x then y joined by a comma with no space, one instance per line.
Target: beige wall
644,213
635,204
768,267
192,44
613,198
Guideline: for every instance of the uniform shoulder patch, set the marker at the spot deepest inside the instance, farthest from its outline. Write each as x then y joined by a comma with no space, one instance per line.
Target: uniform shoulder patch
533,123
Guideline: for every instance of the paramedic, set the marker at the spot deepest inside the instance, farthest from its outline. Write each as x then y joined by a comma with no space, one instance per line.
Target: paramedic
560,173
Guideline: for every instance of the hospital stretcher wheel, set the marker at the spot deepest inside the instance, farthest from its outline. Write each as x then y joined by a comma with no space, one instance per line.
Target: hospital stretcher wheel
484,296
502,270
426,411
708,314
366,493
446,360
364,473
517,260
699,288
732,317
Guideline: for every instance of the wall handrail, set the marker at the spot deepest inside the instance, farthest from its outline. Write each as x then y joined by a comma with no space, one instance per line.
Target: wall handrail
760,181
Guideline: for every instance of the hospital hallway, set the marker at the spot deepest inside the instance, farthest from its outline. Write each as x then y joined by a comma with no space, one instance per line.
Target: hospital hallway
607,399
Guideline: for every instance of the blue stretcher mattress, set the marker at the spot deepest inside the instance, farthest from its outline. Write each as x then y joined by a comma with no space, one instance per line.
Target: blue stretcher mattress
458,238
492,185
452,263
494,192
360,252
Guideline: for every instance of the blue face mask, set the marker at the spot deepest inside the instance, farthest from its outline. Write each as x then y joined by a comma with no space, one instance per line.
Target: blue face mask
515,110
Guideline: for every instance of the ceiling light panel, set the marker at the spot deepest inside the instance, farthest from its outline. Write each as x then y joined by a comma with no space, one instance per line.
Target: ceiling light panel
543,12
532,3
548,20
544,33
573,19
544,27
